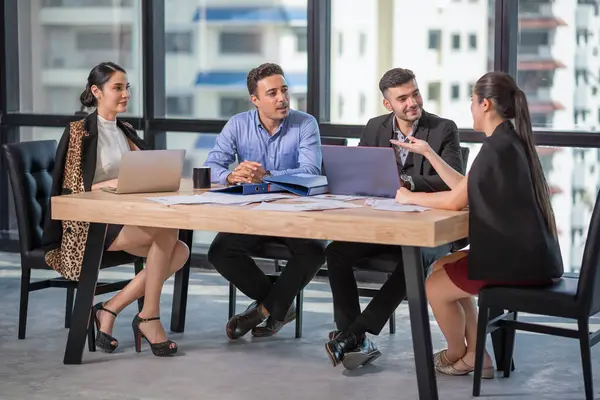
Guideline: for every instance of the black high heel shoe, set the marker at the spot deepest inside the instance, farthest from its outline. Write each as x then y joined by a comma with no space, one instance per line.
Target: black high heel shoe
161,349
103,340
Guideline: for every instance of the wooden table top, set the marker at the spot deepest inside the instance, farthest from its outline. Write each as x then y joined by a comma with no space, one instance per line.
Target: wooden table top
426,229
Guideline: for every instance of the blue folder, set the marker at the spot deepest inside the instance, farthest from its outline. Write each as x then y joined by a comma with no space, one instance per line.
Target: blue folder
301,184
249,188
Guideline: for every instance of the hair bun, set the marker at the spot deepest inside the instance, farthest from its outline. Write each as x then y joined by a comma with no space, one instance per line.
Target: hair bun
87,98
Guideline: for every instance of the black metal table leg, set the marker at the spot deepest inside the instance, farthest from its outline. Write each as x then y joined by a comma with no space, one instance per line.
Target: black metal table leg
419,323
84,297
180,289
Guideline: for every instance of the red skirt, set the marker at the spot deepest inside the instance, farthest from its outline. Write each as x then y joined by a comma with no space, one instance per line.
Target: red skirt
458,272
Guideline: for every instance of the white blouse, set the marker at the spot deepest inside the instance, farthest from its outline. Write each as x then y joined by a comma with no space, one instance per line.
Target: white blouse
112,144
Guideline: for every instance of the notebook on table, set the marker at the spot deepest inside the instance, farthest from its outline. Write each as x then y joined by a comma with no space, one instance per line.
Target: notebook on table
248,188
300,184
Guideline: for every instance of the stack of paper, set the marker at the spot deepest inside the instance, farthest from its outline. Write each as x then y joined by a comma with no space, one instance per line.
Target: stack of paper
219,198
391,205
308,206
340,197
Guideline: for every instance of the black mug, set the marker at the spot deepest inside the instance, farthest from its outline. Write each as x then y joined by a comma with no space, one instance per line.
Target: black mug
201,178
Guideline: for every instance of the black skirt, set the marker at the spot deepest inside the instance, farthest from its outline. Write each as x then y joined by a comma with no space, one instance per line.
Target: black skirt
112,231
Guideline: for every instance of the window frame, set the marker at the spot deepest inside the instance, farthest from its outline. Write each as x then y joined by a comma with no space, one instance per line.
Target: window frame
154,124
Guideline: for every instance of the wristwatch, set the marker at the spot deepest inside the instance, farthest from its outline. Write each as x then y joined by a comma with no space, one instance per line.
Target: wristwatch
408,182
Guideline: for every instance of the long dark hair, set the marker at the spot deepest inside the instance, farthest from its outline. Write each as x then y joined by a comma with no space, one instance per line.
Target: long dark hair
510,103
98,76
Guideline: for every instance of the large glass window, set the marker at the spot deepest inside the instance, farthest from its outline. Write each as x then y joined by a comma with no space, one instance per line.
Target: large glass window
380,35
241,42
234,105
180,106
60,41
558,63
197,147
179,42
229,38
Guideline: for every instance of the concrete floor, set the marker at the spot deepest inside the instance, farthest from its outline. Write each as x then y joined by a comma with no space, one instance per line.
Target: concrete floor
210,366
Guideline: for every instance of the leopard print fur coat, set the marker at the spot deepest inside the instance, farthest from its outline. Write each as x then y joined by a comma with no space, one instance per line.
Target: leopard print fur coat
73,172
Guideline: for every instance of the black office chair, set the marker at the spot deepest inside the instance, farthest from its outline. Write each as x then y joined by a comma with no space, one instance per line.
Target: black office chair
334,141
387,263
570,297
30,166
279,253
462,243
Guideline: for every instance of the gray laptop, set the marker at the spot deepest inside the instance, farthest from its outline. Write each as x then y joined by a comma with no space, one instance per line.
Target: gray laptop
149,171
361,171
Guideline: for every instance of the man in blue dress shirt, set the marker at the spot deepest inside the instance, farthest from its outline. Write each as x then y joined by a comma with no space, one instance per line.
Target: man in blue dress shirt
271,140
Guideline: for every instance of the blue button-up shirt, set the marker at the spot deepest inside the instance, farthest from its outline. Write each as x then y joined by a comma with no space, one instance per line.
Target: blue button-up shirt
295,148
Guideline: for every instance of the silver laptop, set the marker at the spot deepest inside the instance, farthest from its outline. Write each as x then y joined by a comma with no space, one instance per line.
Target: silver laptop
149,171
361,171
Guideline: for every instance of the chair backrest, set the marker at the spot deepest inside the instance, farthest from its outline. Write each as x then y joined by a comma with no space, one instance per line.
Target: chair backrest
462,243
30,166
464,152
334,141
588,289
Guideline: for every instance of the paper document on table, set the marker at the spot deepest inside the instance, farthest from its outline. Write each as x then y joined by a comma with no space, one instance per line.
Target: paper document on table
391,205
309,206
219,198
340,197
171,200
316,199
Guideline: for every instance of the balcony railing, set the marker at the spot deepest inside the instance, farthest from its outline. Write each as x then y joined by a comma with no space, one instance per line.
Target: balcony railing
88,3
579,216
582,58
534,53
535,9
585,17
578,176
539,94
582,96
86,59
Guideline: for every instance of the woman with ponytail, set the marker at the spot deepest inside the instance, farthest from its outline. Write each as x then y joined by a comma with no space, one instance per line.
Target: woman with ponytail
87,159
512,233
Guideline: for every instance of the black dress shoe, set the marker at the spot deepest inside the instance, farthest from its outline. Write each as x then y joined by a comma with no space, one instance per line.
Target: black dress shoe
242,323
271,326
333,334
340,345
365,354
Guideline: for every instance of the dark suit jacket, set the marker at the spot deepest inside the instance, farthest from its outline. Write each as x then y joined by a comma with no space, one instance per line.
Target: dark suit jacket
440,133
510,239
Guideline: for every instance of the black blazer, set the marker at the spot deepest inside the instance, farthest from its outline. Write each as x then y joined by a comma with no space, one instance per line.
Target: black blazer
89,145
510,240
440,133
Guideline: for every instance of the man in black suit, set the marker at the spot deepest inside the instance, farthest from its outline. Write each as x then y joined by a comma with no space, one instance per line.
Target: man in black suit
349,344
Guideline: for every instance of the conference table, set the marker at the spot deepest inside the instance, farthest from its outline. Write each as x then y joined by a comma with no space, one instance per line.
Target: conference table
411,230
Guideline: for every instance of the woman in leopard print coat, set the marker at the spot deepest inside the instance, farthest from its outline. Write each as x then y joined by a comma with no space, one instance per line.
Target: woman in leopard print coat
88,158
